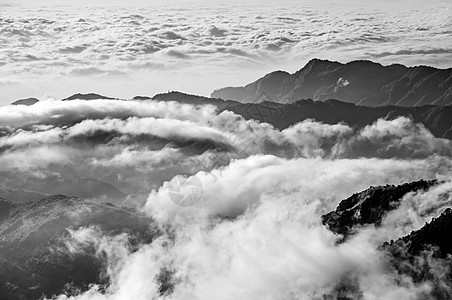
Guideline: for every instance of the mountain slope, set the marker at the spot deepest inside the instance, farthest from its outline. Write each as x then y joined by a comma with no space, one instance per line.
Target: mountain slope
422,257
189,99
38,254
20,195
17,184
89,96
369,206
359,82
435,118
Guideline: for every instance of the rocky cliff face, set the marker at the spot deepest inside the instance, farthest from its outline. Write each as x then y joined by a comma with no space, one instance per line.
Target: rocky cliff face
422,257
434,236
360,82
369,206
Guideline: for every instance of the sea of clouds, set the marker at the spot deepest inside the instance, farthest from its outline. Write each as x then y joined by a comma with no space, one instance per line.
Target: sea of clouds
57,50
256,230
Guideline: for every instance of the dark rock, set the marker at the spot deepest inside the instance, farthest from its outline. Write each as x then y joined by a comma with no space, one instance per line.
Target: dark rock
370,206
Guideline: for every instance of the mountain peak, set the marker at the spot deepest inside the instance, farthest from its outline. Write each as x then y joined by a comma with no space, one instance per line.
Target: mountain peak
370,206
361,82
25,101
88,96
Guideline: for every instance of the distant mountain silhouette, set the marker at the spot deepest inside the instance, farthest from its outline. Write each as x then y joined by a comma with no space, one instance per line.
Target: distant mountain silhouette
27,101
89,96
437,119
189,99
22,188
20,195
359,82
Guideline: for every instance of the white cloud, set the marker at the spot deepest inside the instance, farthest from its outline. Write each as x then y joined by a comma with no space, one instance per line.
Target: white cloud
239,42
256,230
139,144
274,246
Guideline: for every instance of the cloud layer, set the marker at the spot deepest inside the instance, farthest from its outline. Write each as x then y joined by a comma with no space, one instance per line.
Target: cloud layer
137,145
261,236
147,46
255,228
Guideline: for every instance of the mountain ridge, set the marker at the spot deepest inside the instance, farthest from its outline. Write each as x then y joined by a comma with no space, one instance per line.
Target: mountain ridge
435,118
370,206
361,82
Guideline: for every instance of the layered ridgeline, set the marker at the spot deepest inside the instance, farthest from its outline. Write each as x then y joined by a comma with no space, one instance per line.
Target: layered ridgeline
435,118
359,82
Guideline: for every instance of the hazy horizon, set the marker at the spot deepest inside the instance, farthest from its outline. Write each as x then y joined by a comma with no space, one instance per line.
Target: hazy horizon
53,51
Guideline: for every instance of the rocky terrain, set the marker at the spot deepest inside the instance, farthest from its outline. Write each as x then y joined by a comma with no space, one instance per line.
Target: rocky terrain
370,206
423,256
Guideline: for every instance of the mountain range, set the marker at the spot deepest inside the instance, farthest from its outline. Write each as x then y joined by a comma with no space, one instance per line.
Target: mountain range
359,82
436,118
51,224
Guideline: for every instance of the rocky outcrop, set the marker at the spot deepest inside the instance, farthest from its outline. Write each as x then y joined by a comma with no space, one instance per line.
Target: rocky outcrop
189,99
423,256
434,236
435,118
370,206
